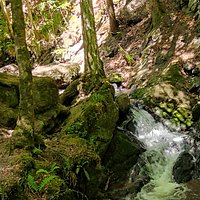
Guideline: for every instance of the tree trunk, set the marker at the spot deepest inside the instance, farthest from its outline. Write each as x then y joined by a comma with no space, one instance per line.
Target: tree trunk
7,17
93,64
26,110
112,19
157,12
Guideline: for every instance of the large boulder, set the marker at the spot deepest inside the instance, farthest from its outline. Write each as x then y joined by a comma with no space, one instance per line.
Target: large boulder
183,168
63,74
95,118
80,164
122,155
46,102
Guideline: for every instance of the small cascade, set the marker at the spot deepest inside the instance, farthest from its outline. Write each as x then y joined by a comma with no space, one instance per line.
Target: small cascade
162,149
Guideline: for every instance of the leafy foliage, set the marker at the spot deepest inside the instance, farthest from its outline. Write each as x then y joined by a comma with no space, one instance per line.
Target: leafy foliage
41,179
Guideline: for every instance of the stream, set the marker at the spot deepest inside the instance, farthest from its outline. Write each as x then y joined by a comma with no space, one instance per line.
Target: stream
163,146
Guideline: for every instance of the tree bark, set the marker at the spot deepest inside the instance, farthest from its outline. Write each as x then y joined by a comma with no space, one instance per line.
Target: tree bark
7,17
93,63
114,26
26,110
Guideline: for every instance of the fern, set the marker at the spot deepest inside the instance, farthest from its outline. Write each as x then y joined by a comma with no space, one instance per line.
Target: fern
45,181
39,171
54,167
31,183
86,174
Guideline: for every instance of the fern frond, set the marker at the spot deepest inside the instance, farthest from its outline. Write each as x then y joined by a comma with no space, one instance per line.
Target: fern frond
45,181
54,167
86,174
39,171
31,183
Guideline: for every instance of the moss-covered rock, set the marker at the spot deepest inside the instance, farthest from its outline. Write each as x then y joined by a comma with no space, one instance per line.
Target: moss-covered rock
52,118
8,116
9,90
122,154
95,118
46,103
13,167
78,161
115,78
45,94
123,102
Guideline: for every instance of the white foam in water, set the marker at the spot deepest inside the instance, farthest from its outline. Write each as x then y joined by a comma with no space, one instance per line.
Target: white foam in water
163,147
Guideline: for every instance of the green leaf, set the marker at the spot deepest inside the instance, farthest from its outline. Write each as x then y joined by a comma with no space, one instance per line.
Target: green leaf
37,151
31,183
39,171
86,174
77,170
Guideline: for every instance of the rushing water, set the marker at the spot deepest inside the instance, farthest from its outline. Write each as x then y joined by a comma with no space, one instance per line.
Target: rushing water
163,147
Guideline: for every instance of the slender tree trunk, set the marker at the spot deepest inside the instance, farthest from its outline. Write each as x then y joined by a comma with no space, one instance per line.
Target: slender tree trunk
93,63
26,110
114,26
7,17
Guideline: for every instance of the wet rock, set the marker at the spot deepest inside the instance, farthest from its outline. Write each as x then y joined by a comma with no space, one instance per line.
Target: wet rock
196,112
183,168
121,155
123,102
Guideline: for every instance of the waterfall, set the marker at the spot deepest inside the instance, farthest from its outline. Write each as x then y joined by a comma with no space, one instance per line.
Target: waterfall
162,149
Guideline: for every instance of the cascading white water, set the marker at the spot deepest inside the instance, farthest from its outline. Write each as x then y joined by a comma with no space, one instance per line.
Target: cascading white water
163,147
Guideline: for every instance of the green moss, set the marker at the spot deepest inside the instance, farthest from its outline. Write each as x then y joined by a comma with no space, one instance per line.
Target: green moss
139,93
115,78
79,163
188,122
8,116
123,102
168,107
174,76
45,94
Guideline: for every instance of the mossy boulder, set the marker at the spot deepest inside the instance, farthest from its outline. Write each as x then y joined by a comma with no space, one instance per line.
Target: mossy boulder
123,102
13,167
77,160
95,118
9,90
8,116
122,154
47,108
45,94
49,120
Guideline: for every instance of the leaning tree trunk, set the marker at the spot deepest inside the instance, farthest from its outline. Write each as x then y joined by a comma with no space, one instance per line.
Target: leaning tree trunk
26,110
94,71
112,19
